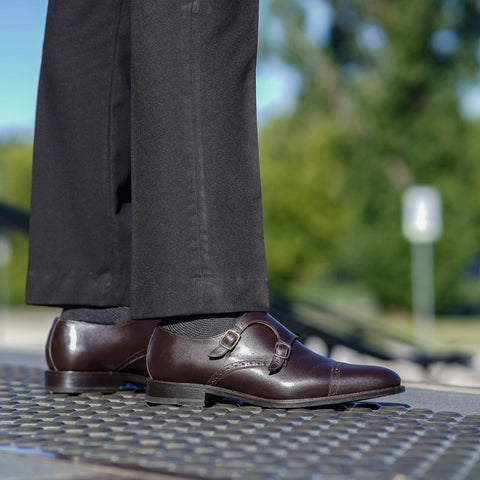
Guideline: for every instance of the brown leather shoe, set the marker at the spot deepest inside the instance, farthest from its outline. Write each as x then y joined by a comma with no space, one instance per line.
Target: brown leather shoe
88,357
260,362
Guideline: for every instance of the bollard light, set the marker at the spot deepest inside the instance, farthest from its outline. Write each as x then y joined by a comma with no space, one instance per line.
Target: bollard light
422,225
422,214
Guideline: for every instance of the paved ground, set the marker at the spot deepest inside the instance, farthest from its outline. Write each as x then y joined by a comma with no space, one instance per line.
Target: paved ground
430,431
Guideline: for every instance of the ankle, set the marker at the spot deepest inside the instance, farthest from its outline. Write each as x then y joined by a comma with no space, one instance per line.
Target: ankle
208,325
100,315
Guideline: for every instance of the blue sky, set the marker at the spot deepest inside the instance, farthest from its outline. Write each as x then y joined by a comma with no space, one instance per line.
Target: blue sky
21,36
22,24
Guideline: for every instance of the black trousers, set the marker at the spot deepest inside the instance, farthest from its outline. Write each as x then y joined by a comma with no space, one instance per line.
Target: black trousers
146,187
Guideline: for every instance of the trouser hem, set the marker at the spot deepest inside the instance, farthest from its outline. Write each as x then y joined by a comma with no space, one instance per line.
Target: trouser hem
197,297
103,290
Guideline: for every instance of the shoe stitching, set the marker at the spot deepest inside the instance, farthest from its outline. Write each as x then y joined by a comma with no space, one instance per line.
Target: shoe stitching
214,379
335,379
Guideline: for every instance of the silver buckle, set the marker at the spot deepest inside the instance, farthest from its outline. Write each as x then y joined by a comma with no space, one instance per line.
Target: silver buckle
281,343
237,339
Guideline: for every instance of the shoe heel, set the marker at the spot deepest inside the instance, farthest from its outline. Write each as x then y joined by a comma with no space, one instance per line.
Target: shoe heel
174,393
74,382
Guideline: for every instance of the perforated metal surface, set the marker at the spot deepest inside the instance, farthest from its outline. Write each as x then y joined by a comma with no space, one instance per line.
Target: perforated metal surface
367,441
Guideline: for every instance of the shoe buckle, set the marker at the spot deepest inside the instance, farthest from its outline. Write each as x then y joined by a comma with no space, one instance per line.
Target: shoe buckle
227,341
282,350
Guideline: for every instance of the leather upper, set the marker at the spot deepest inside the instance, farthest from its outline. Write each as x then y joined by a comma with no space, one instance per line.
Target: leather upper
90,347
259,357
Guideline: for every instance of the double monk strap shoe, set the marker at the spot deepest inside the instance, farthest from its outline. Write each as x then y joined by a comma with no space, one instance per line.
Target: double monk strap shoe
89,357
259,362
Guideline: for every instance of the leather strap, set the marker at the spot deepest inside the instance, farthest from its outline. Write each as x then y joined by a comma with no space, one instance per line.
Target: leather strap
232,337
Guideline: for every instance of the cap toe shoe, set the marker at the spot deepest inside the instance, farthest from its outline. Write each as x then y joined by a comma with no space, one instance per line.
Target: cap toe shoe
259,362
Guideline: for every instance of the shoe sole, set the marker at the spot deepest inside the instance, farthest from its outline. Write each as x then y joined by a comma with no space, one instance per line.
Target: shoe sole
158,392
102,382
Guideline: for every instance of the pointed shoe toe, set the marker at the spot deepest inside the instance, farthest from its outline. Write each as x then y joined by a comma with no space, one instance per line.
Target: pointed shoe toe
259,362
360,382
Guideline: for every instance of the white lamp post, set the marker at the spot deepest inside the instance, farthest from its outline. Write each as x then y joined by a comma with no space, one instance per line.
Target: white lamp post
422,225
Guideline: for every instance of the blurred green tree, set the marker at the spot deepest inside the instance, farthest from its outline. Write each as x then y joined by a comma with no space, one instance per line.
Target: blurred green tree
15,185
379,110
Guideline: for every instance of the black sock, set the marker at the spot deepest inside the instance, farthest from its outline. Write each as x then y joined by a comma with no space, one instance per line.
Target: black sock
108,316
200,325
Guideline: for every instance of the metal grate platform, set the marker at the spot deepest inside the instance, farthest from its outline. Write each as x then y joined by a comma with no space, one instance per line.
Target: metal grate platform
226,441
